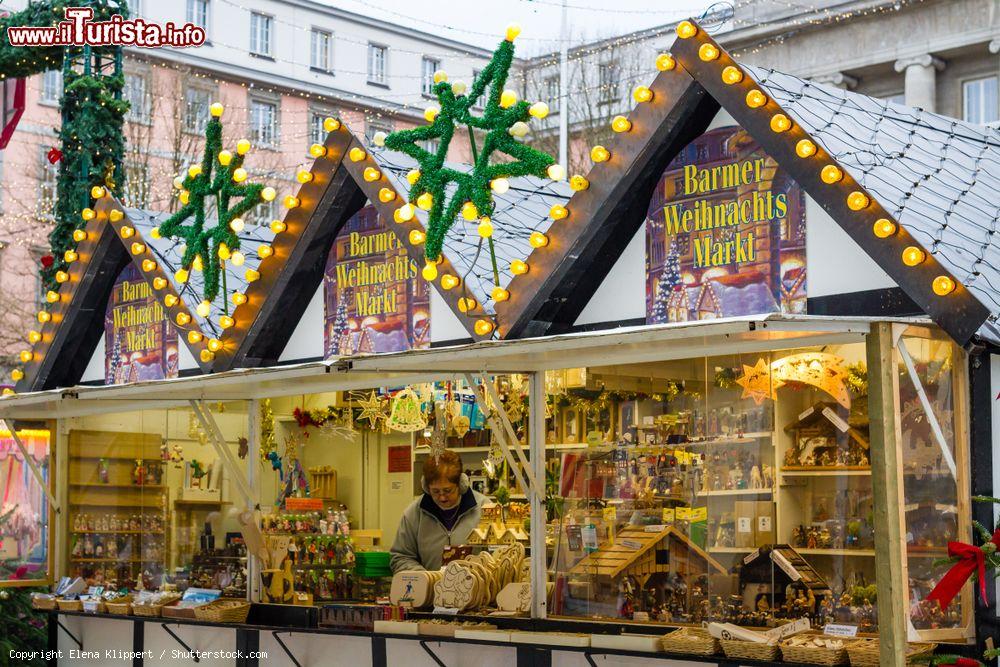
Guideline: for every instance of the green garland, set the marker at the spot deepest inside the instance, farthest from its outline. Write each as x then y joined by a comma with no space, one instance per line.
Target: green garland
200,184
472,186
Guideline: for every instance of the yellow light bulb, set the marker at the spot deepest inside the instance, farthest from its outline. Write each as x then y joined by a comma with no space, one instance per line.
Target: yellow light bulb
469,211
780,123
277,226
379,139
425,201
449,281
206,355
34,337
197,264
440,76
138,248
459,88
52,296
155,232
214,344
268,193
216,109
430,113
226,322
127,232
539,110
518,267
239,298
224,252
686,29
357,154
857,201
708,52
97,192
204,308
181,275
26,356
170,300
467,303
303,176
44,316
225,158
239,175
406,213
558,212
194,337
483,327
184,197
194,170
386,195
88,214
500,185
500,294
943,285
756,99
642,94
665,62
17,375
79,235
237,225
61,276
178,182
70,256
513,30
251,275
159,283
182,319
831,174
416,236
243,146
519,130
238,258
485,228
412,176
884,228
578,183
805,148
331,124
912,255
372,174
115,215
731,75
148,265
556,172
265,251
317,150
291,201
508,98
600,154
621,124
429,272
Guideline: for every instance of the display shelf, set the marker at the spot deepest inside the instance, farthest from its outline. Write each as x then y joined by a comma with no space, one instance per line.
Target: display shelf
117,532
115,560
736,492
732,439
866,553
817,471
98,485
199,503
731,550
143,505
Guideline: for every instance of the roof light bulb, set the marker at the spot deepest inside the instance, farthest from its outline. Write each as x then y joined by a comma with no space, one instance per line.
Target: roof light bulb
26,356
665,62
518,267
805,148
264,251
500,294
943,285
884,228
467,303
317,150
278,226
448,281
756,99
357,154
405,212
252,275
127,232
70,256
34,337
731,75
621,124
88,214
79,235
148,265
17,375
44,316
558,212
239,298
138,248
214,344
386,195
600,154
52,296
578,183
686,29
115,215
780,123
194,337
170,300
912,255
642,94
429,272
182,319
226,322
708,52
97,192
371,174
416,237
331,124
831,174
61,276
206,355
484,327
291,201
857,201
159,283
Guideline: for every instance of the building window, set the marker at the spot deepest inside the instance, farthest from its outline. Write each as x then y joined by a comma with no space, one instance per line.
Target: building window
431,145
481,100
137,94
321,52
52,85
134,8
551,93
979,101
136,184
196,103
373,126
260,34
608,82
427,68
49,174
378,64
317,133
263,123
262,214
197,13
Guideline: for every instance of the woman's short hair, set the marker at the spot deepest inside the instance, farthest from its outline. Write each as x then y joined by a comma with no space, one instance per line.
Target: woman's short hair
447,466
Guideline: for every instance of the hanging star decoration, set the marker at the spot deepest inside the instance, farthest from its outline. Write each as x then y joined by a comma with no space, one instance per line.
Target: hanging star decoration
756,382
503,120
372,409
207,249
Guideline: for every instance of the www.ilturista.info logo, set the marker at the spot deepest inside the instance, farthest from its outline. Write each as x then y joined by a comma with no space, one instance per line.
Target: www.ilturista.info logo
78,30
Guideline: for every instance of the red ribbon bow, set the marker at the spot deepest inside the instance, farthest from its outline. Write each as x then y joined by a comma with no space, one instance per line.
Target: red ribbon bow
971,559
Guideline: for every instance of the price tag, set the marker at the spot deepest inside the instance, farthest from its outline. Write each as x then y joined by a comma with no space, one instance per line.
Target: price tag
654,528
764,523
683,513
744,525
631,544
836,419
835,630
610,513
698,514
446,610
667,514
589,535
805,413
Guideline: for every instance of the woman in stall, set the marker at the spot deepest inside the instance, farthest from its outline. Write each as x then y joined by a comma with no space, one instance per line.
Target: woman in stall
443,516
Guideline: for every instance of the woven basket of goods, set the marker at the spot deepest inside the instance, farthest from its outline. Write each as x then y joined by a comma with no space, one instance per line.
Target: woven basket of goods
121,606
43,601
865,652
735,648
694,641
223,611
152,605
70,605
813,648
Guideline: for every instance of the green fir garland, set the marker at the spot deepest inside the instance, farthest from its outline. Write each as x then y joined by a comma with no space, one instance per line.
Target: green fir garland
472,186
200,184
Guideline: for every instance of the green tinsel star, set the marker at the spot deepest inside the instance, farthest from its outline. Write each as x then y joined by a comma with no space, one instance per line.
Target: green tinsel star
472,186
202,242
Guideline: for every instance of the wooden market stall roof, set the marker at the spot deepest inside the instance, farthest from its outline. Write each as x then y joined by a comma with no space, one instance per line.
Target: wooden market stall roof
630,545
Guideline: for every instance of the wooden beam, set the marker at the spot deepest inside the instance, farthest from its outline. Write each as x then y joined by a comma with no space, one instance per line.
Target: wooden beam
887,487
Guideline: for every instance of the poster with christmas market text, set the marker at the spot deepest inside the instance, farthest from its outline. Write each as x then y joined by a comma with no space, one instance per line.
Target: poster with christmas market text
725,234
374,299
139,342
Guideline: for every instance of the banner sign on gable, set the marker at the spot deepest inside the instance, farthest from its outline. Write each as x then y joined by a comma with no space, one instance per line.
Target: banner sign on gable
725,234
374,299
140,344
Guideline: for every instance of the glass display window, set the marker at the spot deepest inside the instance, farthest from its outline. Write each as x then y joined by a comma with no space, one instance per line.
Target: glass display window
24,509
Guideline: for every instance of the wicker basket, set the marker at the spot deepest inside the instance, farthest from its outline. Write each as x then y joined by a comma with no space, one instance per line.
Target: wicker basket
865,653
70,605
223,611
121,606
45,604
734,648
815,655
694,641
94,606
154,609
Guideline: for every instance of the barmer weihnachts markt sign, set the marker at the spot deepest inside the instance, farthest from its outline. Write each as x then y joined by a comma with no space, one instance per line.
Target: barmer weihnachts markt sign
374,299
140,344
725,234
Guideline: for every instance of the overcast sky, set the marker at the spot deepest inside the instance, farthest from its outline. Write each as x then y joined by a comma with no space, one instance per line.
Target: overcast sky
482,22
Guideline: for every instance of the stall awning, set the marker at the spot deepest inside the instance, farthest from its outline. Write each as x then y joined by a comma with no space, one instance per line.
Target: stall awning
629,345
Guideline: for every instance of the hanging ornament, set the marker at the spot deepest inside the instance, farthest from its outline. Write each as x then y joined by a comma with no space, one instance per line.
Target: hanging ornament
406,415
54,155
461,425
372,409
195,431
756,382
267,439
244,447
47,261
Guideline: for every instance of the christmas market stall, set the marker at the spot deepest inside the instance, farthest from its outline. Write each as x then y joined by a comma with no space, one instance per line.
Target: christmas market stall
416,418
